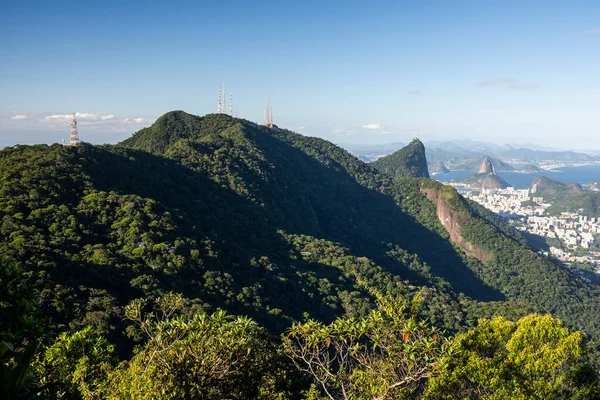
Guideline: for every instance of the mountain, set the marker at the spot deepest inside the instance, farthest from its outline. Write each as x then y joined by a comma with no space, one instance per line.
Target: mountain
466,155
408,162
529,168
551,190
438,168
261,222
486,180
566,196
486,167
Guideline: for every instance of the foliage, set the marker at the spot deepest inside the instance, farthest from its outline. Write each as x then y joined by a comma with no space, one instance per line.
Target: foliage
19,332
387,354
199,356
75,366
533,358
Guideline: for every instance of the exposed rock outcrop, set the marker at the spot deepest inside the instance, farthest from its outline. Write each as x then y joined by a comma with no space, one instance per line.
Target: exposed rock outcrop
486,167
450,220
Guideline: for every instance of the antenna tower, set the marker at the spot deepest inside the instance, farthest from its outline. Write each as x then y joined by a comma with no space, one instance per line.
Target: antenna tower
74,141
219,102
237,114
224,108
231,105
269,113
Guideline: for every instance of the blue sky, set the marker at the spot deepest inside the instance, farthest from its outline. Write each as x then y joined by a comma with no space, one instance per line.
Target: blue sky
370,72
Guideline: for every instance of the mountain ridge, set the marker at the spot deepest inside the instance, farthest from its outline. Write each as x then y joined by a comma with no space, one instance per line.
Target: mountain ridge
262,222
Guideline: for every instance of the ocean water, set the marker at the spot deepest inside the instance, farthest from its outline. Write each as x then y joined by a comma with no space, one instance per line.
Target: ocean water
581,175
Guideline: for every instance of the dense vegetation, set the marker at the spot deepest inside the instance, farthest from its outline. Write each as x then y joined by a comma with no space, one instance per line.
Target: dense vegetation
204,237
408,162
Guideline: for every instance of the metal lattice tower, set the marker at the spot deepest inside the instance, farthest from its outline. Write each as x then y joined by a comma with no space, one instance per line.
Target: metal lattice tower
74,141
219,102
269,113
231,105
224,108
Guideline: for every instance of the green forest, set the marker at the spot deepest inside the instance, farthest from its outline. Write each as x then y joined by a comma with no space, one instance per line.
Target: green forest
214,258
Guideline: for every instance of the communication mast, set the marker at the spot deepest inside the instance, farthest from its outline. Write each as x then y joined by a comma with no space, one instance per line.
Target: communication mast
231,105
224,108
268,113
219,102
74,141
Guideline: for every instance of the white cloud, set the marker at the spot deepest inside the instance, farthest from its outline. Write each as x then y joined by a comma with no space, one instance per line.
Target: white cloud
134,120
107,117
57,117
18,117
372,126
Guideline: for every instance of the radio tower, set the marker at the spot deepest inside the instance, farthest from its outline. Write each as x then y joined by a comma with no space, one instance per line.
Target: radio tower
74,141
231,105
237,114
224,108
269,113
219,102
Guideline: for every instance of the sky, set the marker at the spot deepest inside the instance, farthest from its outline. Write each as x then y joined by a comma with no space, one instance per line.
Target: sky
348,71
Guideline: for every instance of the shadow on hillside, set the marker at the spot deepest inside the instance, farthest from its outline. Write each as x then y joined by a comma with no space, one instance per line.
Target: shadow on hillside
240,231
364,220
302,196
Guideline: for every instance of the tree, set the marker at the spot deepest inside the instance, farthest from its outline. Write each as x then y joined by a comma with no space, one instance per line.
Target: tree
388,354
200,356
534,358
20,329
75,366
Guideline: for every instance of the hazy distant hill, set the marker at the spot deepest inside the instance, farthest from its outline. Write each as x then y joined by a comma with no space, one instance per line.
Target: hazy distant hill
438,168
566,196
465,155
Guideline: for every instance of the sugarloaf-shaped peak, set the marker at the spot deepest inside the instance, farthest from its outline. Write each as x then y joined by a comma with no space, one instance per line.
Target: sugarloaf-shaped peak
486,167
408,162
174,126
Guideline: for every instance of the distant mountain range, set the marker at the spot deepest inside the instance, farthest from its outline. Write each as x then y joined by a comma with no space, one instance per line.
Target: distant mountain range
467,155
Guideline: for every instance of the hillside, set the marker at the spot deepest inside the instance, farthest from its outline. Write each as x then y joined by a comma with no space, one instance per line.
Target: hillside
408,162
438,168
260,222
488,180
566,196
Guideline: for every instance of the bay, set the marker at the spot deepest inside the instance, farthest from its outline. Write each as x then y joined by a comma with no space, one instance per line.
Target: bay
582,174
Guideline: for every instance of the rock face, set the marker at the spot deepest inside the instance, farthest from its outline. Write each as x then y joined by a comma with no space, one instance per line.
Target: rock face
449,219
486,167
408,162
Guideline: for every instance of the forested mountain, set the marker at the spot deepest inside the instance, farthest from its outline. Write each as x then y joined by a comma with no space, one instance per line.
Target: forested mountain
566,196
257,221
408,162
